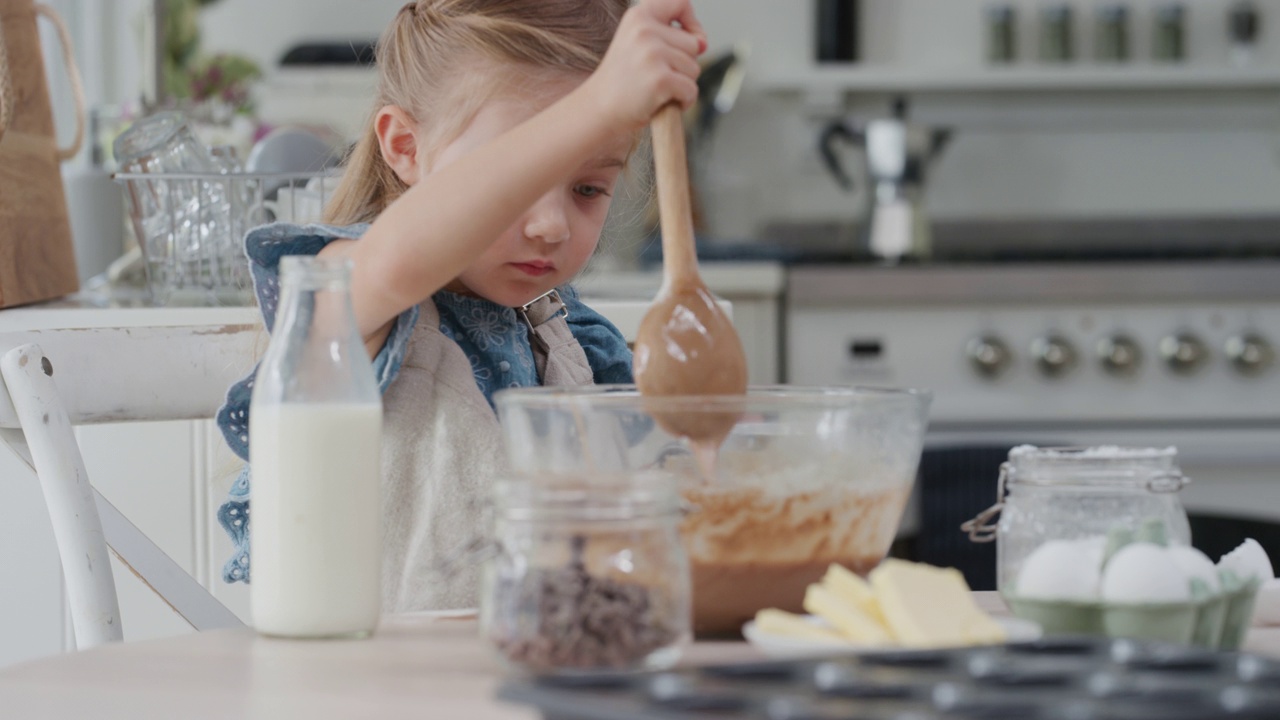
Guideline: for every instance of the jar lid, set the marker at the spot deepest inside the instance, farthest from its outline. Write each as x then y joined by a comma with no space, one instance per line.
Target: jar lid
620,497
1099,465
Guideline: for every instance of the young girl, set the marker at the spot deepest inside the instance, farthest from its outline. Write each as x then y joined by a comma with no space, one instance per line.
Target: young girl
480,186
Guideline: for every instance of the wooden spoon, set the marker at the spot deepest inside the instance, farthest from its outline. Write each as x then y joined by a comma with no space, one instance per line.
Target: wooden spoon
686,345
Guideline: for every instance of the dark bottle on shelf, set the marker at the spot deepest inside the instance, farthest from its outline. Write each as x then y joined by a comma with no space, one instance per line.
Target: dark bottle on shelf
1169,42
1002,34
1057,37
836,31
1111,35
1244,24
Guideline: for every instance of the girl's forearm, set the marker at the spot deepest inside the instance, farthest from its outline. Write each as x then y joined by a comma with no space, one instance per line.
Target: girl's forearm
447,219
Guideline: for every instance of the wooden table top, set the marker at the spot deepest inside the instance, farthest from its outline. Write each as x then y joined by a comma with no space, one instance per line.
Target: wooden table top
416,666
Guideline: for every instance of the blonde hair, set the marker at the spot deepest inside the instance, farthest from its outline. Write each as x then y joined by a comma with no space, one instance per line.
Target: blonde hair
428,60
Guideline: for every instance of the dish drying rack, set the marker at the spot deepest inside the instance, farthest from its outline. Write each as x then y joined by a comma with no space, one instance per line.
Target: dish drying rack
191,226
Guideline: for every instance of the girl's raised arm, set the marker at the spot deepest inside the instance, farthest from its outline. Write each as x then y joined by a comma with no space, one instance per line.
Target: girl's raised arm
452,212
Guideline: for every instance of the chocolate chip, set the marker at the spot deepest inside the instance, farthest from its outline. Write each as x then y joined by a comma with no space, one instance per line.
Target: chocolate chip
583,621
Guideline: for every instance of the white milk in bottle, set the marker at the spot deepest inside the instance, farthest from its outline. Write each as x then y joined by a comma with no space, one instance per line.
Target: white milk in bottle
315,428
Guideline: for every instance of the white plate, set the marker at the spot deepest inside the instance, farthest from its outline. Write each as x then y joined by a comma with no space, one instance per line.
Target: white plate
781,646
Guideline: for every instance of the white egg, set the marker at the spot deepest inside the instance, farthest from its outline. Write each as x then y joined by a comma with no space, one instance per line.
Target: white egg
1196,565
1062,570
1144,573
1266,609
1248,561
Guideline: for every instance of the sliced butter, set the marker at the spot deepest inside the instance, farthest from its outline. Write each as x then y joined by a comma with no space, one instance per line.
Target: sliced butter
927,606
854,624
982,630
785,624
853,590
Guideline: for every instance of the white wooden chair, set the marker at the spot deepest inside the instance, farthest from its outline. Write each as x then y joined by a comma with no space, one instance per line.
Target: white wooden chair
54,380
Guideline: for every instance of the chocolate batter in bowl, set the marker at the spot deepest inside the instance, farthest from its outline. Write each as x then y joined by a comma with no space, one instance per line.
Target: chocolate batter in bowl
807,477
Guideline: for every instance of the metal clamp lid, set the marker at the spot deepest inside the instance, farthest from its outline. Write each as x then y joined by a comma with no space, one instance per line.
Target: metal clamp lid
1168,482
980,528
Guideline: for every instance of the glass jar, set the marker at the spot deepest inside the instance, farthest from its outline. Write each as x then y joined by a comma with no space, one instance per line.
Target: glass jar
1074,493
1111,34
1002,34
1057,38
315,453
586,575
1169,42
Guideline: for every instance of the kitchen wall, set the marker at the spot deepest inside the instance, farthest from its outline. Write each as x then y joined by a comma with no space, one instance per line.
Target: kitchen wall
1015,153
1082,154
109,42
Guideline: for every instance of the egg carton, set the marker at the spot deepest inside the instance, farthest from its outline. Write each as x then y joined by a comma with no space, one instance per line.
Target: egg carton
1158,591
1213,622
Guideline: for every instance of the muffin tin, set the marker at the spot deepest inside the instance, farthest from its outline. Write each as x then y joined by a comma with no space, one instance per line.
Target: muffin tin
1064,678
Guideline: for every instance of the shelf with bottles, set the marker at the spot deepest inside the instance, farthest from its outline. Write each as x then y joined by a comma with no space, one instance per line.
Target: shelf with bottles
1081,77
1051,46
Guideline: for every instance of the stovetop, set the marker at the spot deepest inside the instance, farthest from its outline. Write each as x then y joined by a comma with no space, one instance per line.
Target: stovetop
964,242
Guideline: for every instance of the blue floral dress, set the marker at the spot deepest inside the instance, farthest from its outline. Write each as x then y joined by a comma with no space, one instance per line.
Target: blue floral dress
494,339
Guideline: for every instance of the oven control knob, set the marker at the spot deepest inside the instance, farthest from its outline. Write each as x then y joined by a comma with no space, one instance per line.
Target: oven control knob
1054,355
989,355
1120,355
1250,354
1184,353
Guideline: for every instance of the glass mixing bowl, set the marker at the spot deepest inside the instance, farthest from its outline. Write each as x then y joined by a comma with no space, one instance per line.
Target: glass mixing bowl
807,477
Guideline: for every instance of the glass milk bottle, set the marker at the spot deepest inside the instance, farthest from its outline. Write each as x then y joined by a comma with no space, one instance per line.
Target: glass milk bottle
315,427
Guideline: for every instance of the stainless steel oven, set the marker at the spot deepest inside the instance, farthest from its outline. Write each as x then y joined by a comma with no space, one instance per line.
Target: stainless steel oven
1147,354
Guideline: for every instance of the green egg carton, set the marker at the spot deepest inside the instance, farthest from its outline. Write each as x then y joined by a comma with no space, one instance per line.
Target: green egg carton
1238,610
1218,621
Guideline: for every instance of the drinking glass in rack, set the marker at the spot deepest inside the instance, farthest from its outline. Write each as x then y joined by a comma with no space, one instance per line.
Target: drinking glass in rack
191,225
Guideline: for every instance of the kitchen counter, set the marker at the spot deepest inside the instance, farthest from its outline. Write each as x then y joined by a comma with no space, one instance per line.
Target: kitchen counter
995,283
124,307
730,280
131,308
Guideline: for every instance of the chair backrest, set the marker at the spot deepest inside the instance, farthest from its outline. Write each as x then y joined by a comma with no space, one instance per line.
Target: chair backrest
140,373
57,379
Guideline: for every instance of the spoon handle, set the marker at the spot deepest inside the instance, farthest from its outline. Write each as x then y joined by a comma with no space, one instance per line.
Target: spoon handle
679,256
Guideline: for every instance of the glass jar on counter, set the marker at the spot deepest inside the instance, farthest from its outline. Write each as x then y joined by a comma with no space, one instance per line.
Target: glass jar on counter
1073,493
586,575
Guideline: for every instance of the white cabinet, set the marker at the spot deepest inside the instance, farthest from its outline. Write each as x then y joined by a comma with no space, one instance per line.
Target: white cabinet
31,616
